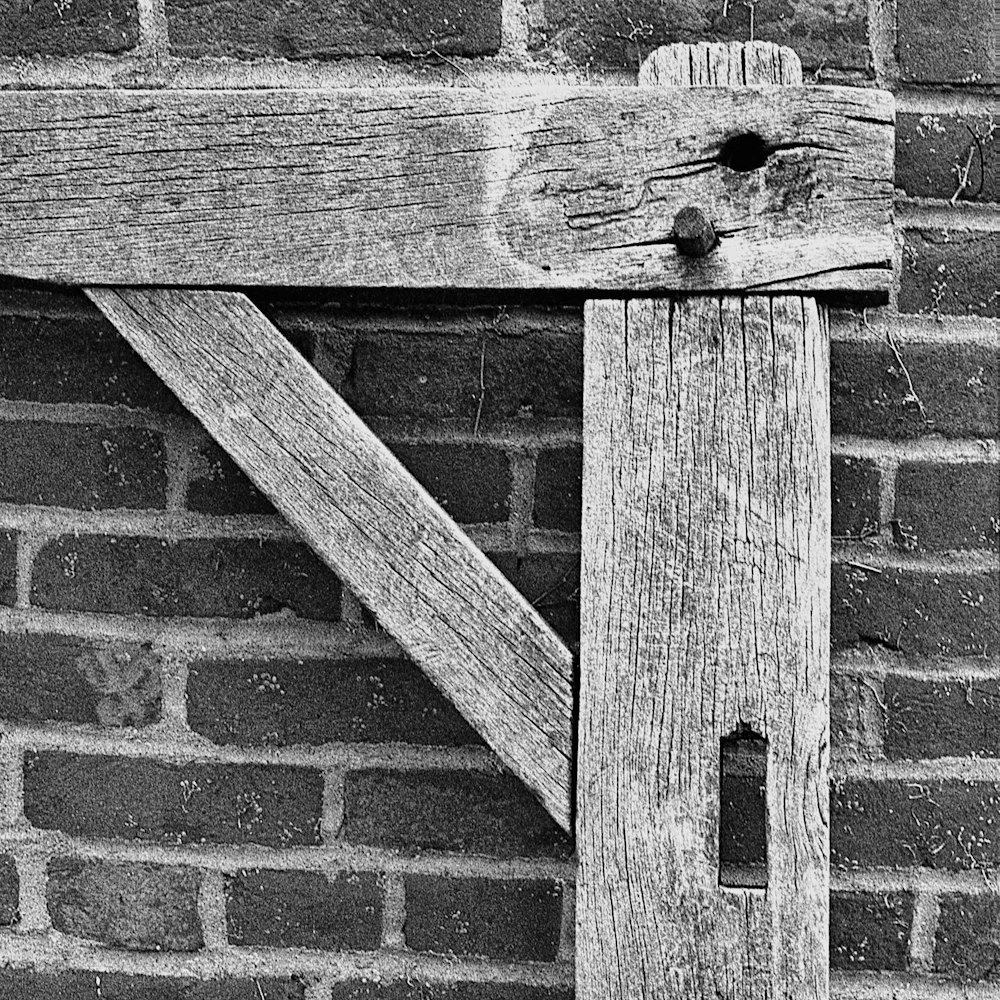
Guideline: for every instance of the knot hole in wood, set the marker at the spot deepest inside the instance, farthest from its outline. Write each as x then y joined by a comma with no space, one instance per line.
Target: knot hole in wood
744,152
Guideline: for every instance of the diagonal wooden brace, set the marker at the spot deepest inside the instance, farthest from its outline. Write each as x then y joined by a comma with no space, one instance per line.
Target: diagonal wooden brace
367,518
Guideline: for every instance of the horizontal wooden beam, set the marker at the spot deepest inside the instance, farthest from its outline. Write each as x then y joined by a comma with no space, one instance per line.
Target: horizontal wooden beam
564,187
476,637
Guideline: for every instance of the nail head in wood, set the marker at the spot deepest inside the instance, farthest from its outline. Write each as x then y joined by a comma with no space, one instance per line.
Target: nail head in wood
694,233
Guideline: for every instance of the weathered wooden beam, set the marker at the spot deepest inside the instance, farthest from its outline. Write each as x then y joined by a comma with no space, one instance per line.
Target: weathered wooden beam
565,187
483,645
705,613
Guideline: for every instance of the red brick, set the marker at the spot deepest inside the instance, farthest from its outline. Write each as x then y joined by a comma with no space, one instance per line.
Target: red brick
471,482
916,611
237,578
559,488
416,989
927,719
313,30
427,363
742,804
285,702
49,28
289,909
947,825
551,582
10,889
8,567
870,931
604,33
950,506
140,907
933,151
56,678
448,811
27,984
75,360
146,800
81,465
958,384
855,488
513,921
219,486
949,272
946,41
967,942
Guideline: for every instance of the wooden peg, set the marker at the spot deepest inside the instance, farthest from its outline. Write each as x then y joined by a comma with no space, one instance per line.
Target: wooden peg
693,233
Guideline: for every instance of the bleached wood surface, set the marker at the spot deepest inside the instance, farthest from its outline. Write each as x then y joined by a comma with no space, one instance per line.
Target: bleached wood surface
565,187
484,646
705,608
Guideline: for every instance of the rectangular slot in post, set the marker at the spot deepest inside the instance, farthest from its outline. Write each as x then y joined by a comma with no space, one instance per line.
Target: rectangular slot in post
743,810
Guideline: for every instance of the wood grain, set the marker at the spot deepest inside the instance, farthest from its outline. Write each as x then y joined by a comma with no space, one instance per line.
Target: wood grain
565,187
704,609
484,646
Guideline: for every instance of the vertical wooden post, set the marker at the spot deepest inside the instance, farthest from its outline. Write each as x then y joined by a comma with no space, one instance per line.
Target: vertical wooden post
705,610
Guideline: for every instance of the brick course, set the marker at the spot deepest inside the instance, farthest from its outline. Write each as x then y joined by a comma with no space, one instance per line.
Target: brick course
535,372
75,360
609,34
870,931
550,582
854,486
145,800
448,811
933,151
236,578
140,907
559,488
288,909
27,984
513,921
916,611
946,718
313,30
81,465
472,483
958,385
742,804
948,272
282,702
943,41
50,28
62,679
947,825
967,943
950,506
219,486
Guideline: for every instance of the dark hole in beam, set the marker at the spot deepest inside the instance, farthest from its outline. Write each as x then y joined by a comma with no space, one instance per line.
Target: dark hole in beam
744,152
743,810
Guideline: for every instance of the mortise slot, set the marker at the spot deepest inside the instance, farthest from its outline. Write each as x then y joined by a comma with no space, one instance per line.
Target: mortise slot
744,152
743,810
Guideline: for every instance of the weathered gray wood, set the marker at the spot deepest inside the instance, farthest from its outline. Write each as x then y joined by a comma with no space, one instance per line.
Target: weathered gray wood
704,609
365,516
558,188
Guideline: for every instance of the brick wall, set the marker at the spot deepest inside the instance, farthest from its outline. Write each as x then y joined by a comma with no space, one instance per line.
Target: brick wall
220,781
